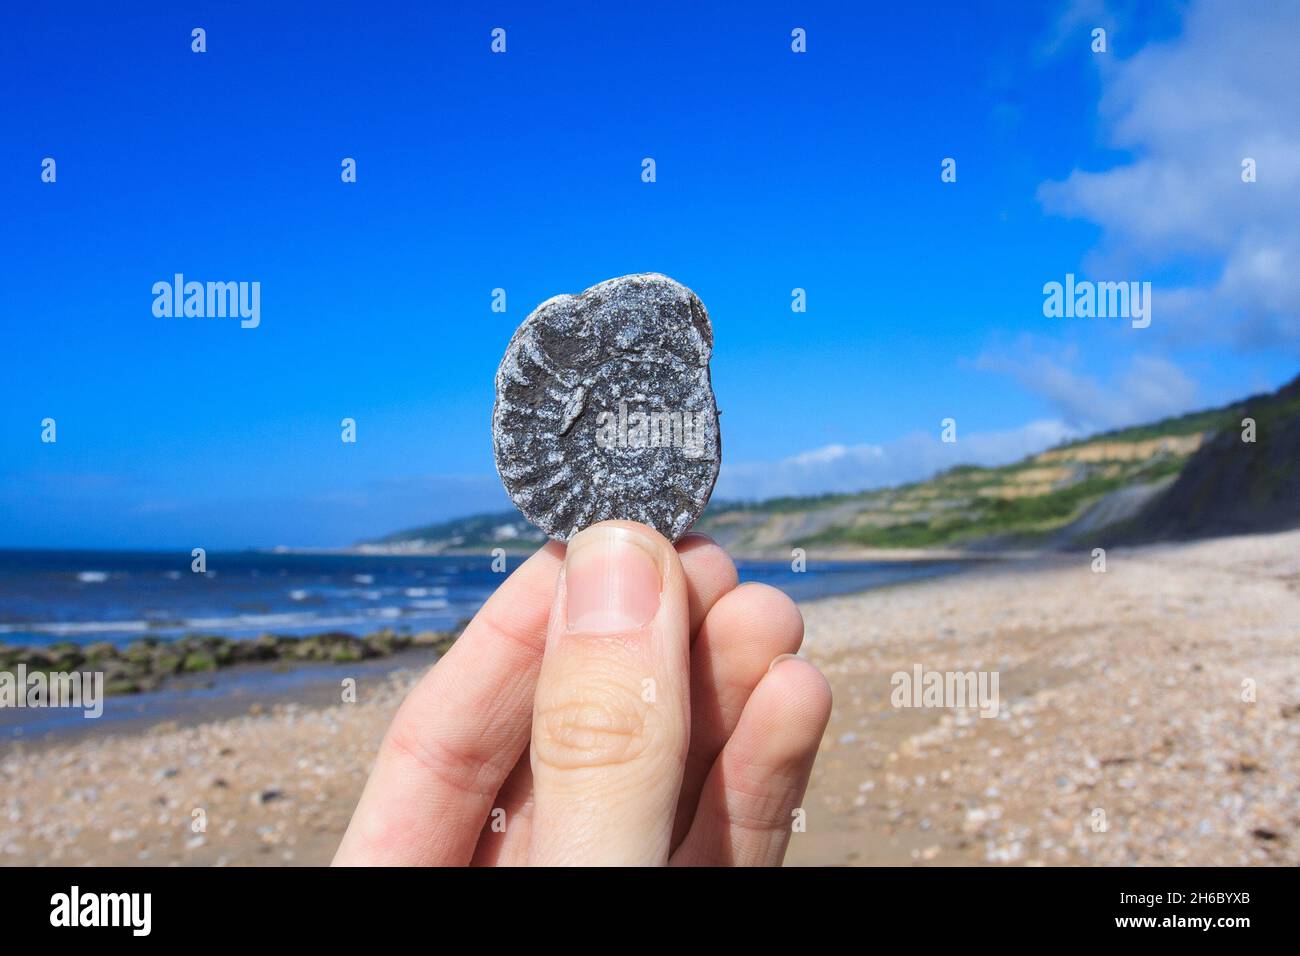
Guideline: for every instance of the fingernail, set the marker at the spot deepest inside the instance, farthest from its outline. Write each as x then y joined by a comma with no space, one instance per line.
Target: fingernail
784,657
611,581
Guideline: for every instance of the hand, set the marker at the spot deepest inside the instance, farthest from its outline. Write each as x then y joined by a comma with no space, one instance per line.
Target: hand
625,703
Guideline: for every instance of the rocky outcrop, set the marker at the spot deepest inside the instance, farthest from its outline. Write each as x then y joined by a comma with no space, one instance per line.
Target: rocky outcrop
1232,485
144,664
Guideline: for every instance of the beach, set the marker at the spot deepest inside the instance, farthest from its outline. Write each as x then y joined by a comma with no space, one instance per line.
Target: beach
1147,714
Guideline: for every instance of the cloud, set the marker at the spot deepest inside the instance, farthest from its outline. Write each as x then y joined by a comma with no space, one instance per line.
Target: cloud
1150,388
1075,16
1189,111
848,468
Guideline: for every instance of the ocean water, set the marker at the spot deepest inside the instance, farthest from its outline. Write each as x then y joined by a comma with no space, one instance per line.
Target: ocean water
117,596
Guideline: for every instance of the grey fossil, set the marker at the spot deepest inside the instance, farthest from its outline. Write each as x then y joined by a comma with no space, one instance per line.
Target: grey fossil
604,409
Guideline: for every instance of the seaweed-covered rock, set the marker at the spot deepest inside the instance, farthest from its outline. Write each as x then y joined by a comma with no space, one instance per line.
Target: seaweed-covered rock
144,664
198,662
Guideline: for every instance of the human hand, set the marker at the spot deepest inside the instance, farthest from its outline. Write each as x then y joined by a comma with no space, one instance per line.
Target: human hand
626,703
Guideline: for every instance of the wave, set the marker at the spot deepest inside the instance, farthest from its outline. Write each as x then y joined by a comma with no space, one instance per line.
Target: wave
425,592
297,621
72,628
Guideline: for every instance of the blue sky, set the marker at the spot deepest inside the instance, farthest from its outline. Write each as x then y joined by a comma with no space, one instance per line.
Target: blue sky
475,171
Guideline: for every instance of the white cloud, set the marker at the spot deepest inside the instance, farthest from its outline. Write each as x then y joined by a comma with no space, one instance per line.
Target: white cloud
847,468
1076,16
1149,389
1190,110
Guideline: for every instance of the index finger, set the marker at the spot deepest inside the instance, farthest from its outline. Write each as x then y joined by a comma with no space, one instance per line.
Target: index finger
458,733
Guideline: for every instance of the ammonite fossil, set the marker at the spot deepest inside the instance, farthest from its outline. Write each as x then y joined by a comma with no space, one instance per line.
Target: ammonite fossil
604,409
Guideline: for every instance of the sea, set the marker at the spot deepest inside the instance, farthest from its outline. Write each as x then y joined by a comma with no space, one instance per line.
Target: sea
121,596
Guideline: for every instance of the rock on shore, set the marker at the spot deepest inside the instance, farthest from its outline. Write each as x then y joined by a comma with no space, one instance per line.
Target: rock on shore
144,664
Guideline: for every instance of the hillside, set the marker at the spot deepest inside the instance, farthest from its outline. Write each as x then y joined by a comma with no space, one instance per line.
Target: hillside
1231,486
1184,477
477,534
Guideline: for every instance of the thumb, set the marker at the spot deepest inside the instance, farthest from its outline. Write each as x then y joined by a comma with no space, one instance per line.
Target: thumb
611,716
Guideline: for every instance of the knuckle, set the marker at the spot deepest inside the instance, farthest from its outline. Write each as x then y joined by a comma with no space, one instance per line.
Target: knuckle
599,725
455,768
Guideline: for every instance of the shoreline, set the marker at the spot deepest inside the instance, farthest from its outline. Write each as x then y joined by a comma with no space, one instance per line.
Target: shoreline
302,671
157,662
189,700
182,680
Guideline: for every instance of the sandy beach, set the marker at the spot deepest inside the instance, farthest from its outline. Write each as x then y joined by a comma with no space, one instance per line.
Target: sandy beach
1124,733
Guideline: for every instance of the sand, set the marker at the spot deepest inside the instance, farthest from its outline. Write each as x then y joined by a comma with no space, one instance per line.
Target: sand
1121,735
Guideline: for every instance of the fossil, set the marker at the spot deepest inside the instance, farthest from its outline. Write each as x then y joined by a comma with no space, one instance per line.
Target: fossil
604,409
